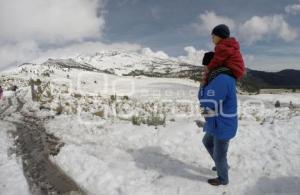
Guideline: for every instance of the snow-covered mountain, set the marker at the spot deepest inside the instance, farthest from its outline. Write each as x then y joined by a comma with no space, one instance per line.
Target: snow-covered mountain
121,63
132,63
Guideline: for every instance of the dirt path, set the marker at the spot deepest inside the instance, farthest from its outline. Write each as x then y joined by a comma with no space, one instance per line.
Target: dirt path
7,107
35,145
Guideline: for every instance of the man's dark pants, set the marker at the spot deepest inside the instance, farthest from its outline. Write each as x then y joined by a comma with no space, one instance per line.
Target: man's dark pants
218,151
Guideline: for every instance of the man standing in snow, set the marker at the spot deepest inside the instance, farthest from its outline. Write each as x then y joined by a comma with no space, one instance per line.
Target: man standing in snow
219,101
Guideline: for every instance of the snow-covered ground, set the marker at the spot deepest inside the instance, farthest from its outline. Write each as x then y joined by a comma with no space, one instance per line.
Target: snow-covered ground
126,159
12,180
120,158
284,97
108,154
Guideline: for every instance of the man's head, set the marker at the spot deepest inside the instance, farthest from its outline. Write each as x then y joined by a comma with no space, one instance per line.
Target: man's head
208,56
220,32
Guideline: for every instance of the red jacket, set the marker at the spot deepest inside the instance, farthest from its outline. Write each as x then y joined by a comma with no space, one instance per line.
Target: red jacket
227,53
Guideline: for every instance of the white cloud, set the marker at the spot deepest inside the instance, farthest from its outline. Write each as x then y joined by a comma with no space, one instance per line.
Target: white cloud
193,56
275,63
249,59
209,20
50,21
159,54
17,53
293,9
27,25
251,30
259,28
87,48
30,52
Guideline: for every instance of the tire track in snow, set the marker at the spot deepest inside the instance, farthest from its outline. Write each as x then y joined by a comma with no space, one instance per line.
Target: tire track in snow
7,107
35,145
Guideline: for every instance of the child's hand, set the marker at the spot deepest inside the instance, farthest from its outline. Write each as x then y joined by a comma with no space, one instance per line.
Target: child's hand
199,123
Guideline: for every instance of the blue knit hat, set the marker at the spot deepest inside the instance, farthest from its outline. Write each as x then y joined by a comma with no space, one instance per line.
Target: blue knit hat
222,31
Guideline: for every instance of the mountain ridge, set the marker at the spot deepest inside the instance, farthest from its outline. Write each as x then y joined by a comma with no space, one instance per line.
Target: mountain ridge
125,63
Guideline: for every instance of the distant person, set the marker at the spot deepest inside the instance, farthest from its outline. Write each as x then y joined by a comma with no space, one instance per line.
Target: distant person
227,53
14,88
291,105
1,93
218,100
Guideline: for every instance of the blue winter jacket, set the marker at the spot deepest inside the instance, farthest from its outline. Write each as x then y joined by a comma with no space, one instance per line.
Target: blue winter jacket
219,96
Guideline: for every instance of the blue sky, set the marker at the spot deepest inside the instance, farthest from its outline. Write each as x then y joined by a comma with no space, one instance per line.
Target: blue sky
162,24
268,30
167,26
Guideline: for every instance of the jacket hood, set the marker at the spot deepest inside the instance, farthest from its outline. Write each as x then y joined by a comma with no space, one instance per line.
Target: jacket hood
230,42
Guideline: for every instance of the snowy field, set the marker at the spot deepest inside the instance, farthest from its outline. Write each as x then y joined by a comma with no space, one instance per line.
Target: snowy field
126,159
120,158
113,156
